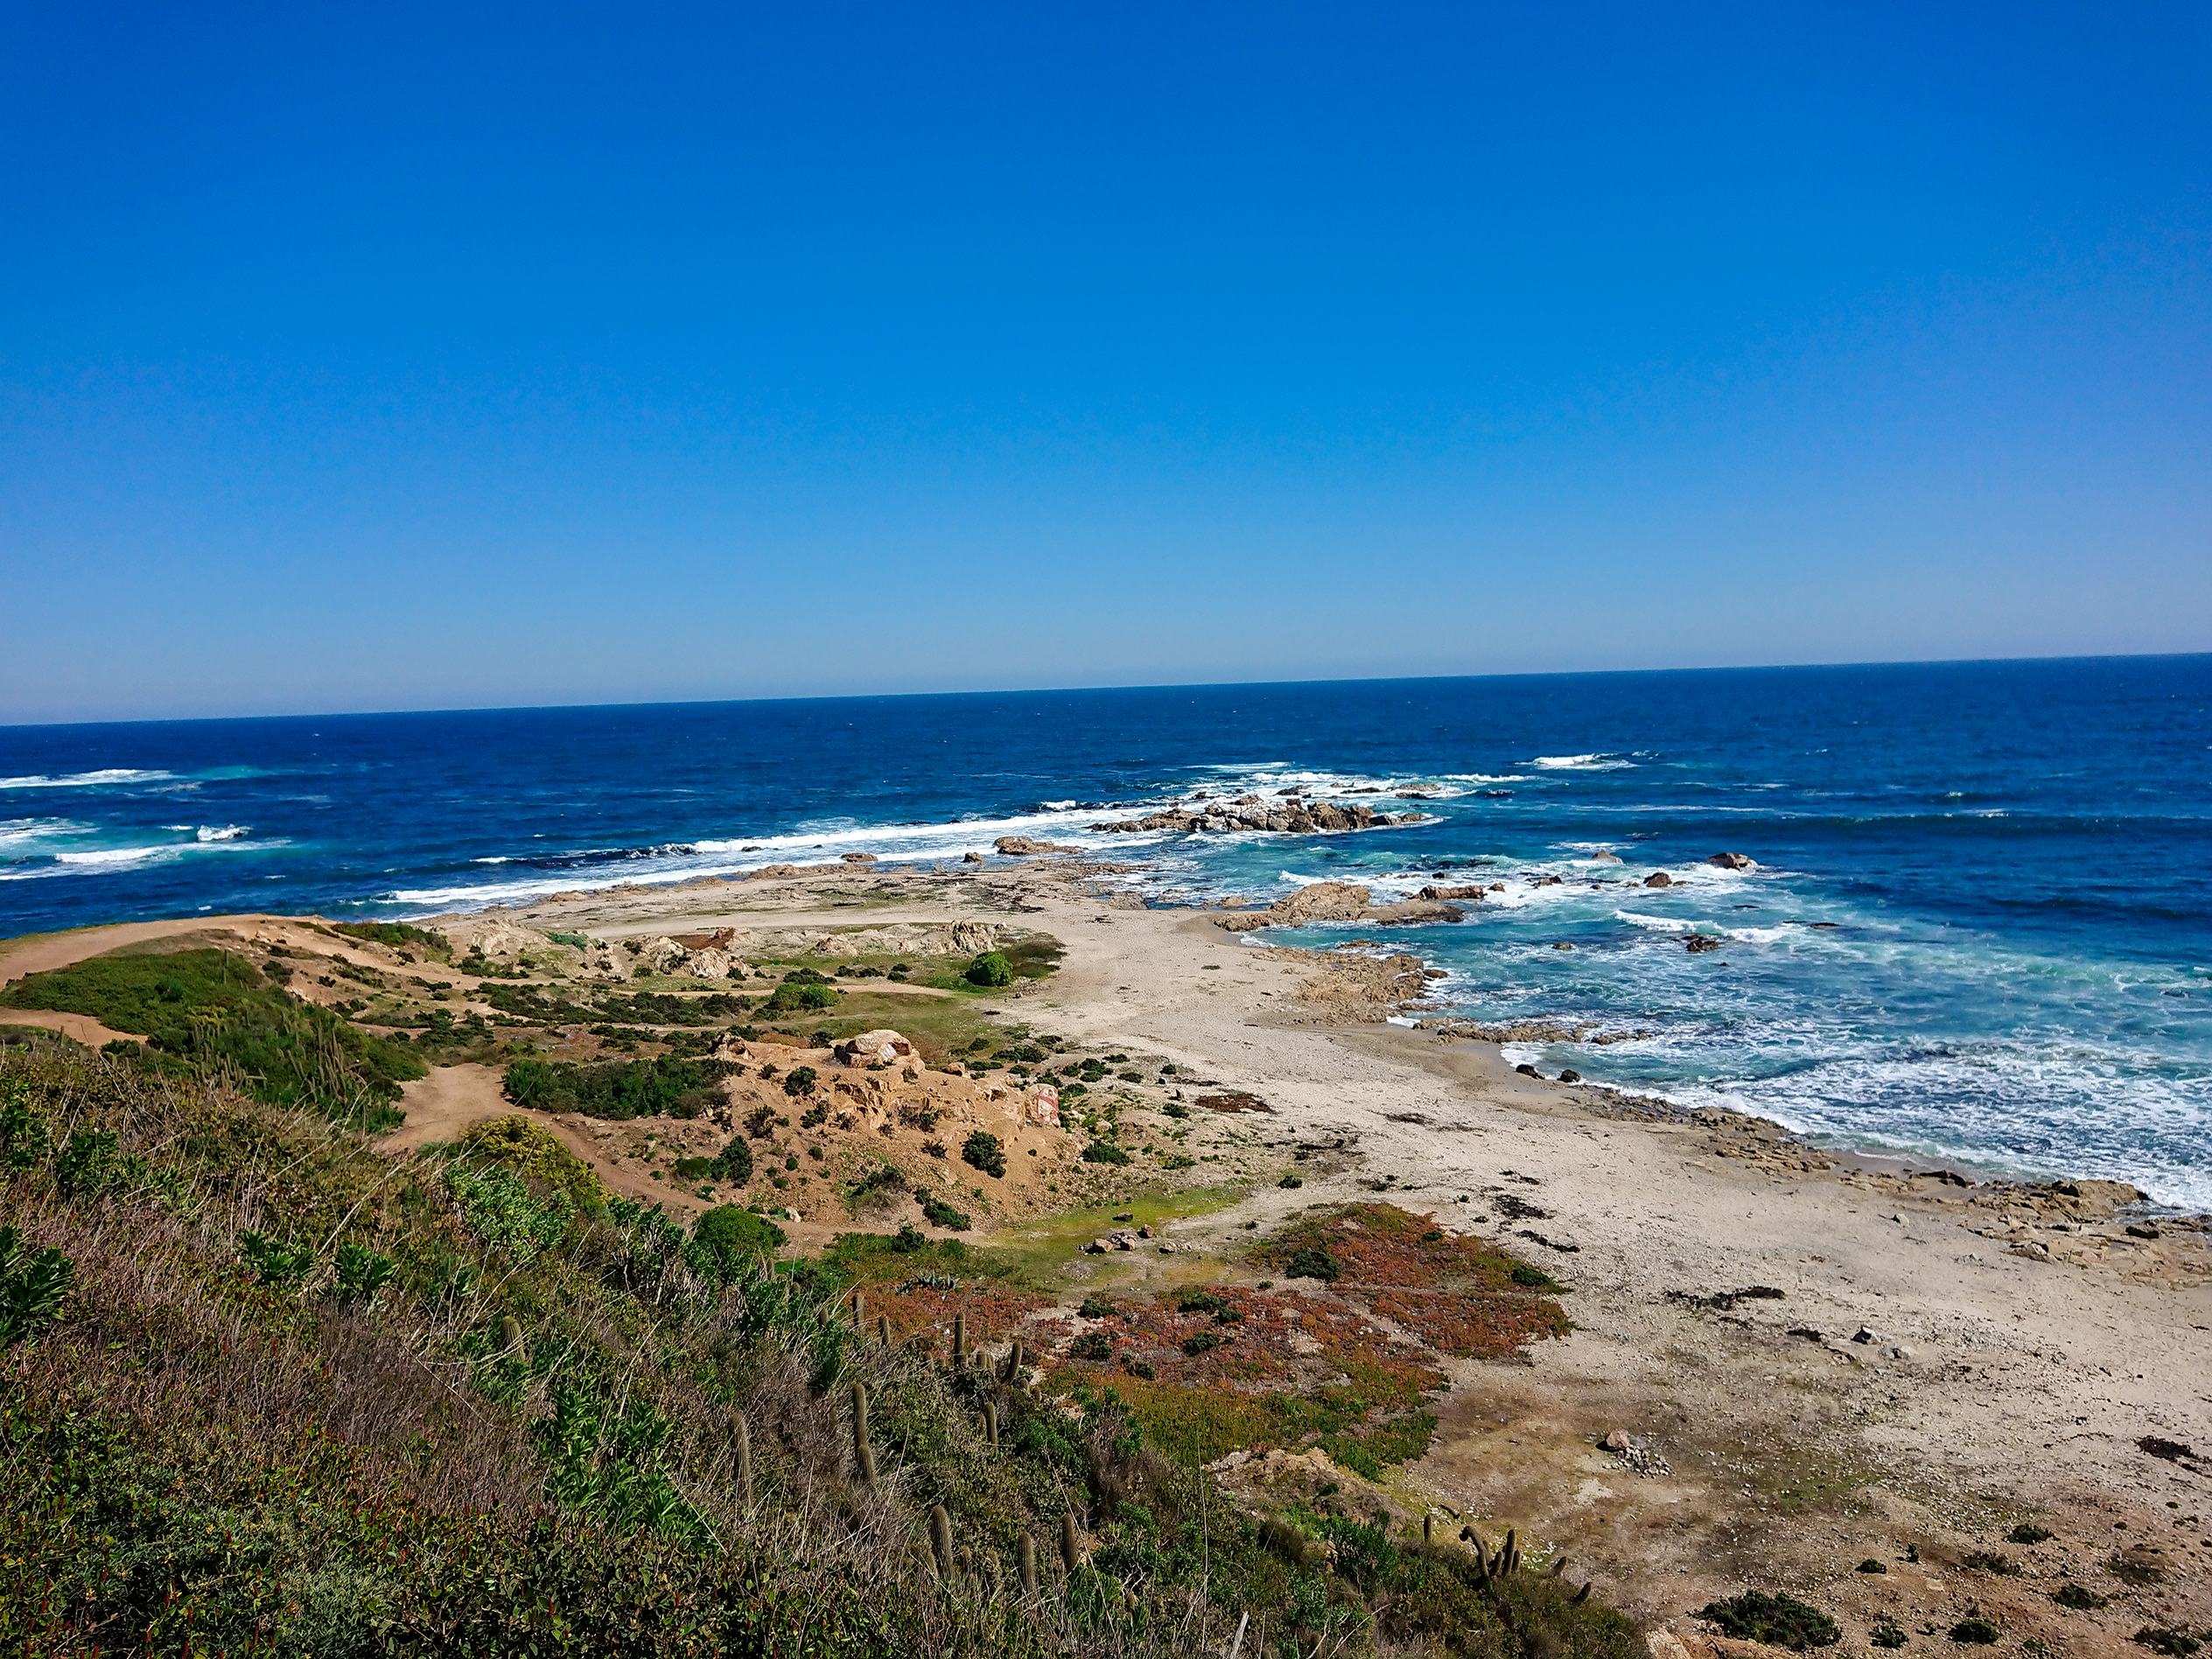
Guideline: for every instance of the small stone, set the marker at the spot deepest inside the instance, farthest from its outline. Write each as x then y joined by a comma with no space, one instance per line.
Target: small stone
1616,1441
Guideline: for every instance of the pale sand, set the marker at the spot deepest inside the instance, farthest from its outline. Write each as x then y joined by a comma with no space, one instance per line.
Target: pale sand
2027,1386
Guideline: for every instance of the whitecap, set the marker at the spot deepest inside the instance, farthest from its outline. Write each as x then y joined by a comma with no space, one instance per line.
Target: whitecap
223,832
86,780
1599,762
116,855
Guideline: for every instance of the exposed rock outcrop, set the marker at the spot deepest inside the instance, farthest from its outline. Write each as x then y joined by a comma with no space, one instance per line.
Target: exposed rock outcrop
1337,902
873,1048
1255,812
1734,861
1023,847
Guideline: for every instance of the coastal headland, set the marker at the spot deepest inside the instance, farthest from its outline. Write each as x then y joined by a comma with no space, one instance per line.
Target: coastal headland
1912,1396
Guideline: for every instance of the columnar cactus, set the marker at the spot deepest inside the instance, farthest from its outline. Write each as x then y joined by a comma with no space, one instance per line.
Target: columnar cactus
864,1453
745,1461
1025,1563
940,1541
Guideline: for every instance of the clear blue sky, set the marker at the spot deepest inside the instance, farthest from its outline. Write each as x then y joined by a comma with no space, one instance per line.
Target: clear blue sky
421,356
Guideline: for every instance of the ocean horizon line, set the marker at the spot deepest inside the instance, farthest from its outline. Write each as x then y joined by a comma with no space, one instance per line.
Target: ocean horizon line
790,698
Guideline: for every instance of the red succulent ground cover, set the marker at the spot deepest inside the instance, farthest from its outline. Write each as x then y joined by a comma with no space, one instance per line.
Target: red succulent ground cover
1320,1361
994,1315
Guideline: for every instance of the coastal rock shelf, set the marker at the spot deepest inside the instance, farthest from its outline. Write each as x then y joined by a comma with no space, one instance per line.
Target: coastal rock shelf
1254,812
1338,901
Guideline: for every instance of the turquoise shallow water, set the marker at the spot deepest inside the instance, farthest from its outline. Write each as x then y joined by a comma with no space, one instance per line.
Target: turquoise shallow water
2013,854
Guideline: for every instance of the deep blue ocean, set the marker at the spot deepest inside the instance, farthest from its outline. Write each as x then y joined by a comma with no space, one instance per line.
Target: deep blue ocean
2014,854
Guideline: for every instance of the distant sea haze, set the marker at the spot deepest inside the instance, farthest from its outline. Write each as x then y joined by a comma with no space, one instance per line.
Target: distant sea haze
1978,930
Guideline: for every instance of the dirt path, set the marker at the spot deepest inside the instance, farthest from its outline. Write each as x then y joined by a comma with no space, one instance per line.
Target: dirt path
78,1027
441,1106
42,953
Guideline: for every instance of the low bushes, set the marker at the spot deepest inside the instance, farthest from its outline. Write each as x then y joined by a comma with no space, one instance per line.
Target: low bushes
989,970
1778,1620
981,1150
616,1089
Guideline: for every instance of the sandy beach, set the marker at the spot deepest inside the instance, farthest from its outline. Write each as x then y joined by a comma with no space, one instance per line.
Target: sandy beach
1929,1363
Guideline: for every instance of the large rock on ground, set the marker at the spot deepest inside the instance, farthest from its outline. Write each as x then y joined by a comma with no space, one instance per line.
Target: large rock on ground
873,1048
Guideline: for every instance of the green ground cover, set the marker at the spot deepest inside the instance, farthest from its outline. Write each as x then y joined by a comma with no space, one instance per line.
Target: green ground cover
288,1396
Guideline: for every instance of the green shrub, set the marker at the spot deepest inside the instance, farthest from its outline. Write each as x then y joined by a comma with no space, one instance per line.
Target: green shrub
32,1285
733,1239
797,998
1092,1345
1976,1632
1100,1152
981,1150
503,1212
394,934
1290,1183
2028,1532
1887,1636
618,1089
937,1212
1204,1342
800,1080
2080,1598
1097,1307
362,1274
531,1149
1532,1279
2175,1644
1778,1620
991,969
277,1264
1312,1265
1176,1109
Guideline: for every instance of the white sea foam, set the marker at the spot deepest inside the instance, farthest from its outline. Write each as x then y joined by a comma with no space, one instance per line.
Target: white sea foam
86,780
1600,762
21,832
223,832
820,841
1660,924
116,855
